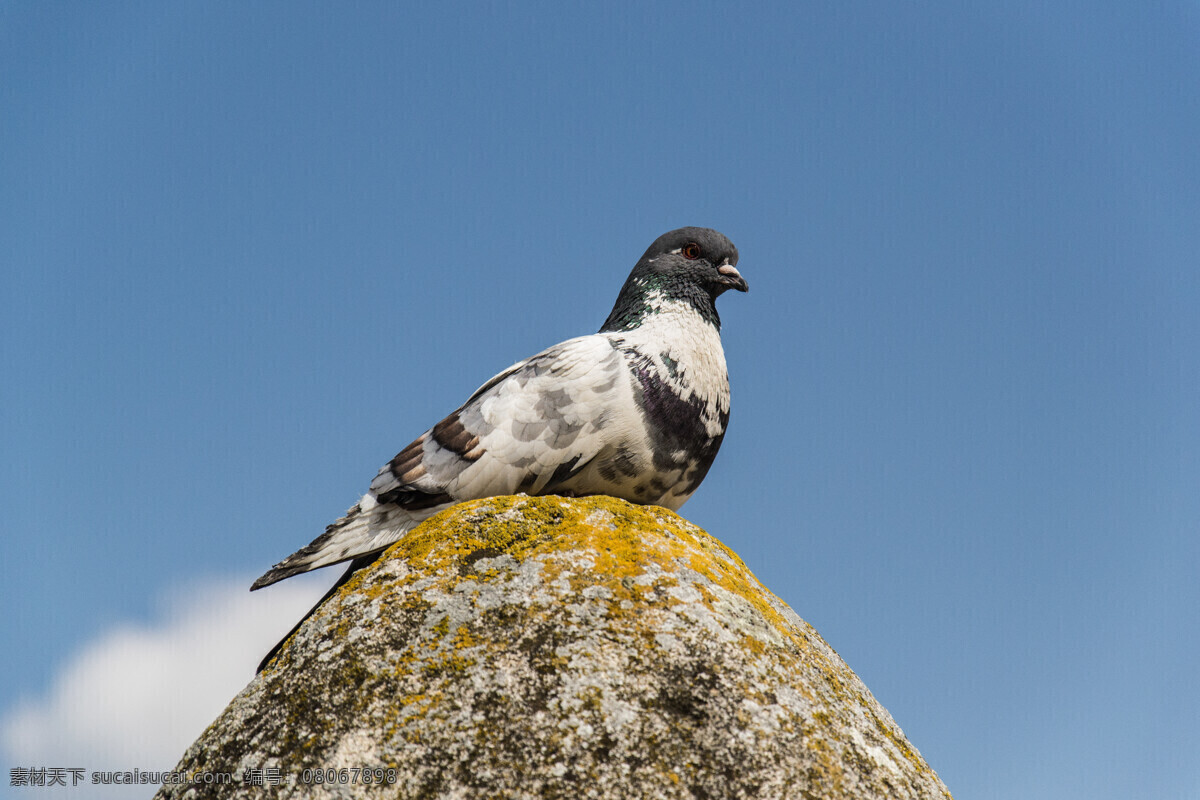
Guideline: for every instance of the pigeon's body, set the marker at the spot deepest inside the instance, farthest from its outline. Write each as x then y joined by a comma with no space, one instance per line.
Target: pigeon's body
636,411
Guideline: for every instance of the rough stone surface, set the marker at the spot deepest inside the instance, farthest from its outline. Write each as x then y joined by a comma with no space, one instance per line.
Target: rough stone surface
545,647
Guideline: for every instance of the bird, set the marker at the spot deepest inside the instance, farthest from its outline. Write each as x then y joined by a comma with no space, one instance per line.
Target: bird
635,411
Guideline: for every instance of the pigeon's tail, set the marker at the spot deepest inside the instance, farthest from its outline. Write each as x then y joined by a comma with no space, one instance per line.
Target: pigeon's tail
367,528
355,566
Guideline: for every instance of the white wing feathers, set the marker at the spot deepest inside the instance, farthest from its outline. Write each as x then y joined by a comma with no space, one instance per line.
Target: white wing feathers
536,428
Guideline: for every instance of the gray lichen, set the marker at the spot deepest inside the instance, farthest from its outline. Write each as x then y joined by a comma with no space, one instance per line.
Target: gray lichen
524,647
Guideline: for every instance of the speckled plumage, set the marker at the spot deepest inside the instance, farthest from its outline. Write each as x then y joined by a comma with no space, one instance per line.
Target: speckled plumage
636,411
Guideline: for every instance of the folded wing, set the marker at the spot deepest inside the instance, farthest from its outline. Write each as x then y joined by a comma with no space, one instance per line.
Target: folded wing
529,429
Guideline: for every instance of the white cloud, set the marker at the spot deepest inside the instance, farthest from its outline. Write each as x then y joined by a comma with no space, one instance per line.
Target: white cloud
139,694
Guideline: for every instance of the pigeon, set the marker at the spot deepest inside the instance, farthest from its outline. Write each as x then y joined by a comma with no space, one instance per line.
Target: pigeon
635,411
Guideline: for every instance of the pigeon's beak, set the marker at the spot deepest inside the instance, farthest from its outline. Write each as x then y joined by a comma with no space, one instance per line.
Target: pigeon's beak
731,278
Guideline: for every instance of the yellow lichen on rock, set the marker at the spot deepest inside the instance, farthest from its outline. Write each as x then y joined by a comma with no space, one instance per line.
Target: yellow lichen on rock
554,647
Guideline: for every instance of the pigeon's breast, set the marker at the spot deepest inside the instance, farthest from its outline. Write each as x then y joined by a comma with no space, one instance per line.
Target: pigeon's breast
681,388
680,352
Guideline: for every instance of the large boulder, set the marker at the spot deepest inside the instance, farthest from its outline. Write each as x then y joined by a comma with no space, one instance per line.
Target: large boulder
548,647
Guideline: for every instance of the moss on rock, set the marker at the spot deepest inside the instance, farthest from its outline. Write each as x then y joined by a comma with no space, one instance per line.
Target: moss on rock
549,647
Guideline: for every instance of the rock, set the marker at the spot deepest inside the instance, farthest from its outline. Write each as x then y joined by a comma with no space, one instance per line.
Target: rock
544,647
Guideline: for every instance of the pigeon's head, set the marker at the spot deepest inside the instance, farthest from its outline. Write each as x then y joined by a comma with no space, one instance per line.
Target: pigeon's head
695,255
687,265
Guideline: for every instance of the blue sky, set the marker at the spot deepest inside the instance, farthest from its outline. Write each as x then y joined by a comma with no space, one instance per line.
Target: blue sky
250,251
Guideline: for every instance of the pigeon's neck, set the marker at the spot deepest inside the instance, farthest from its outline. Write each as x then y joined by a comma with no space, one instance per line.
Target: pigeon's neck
677,349
644,298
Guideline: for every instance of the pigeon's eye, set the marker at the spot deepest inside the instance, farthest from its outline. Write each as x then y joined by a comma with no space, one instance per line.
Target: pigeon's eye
690,251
